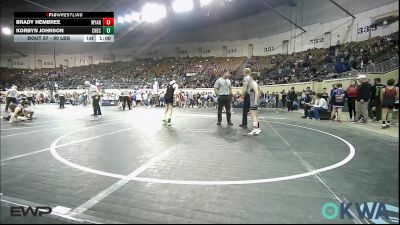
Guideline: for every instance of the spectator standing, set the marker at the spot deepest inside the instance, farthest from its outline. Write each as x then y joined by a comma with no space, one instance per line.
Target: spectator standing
351,99
284,98
138,99
276,100
363,97
291,98
133,98
191,99
375,106
330,99
145,98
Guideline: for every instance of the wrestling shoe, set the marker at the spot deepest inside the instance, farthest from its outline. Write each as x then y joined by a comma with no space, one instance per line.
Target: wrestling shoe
254,132
363,121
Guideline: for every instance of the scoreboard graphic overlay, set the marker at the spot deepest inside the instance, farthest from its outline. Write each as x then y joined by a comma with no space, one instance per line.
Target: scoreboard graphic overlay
63,26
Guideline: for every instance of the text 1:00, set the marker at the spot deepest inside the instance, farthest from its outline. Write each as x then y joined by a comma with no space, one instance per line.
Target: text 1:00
105,38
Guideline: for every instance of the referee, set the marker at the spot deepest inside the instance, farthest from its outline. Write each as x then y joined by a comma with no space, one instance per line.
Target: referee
246,94
62,99
223,90
95,96
12,95
125,95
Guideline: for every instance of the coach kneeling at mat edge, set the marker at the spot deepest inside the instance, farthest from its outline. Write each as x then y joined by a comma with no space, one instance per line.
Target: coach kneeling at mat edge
223,90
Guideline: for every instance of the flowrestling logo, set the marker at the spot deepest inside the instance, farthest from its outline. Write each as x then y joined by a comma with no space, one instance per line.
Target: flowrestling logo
376,212
19,211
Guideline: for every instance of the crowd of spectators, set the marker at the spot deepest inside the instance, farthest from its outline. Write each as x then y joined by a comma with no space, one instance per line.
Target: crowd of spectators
319,64
201,72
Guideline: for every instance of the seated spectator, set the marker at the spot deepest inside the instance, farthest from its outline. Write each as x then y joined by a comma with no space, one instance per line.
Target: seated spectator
307,103
320,106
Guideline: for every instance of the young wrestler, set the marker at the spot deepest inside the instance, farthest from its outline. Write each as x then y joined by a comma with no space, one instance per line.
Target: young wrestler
171,93
254,101
337,102
20,113
388,98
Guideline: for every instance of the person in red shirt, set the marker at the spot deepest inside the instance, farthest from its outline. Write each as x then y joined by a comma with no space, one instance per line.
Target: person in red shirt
388,98
351,99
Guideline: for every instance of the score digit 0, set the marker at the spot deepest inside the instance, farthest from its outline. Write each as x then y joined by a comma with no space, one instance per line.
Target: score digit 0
108,21
108,30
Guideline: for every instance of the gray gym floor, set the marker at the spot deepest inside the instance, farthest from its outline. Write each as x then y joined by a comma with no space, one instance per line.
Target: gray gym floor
127,168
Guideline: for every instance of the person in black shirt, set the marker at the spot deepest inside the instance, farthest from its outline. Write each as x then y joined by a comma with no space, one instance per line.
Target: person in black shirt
363,98
61,97
307,104
332,100
284,98
374,107
170,97
292,96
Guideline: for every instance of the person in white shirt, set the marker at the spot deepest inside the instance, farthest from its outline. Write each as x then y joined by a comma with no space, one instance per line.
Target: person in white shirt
126,99
12,95
29,96
138,99
320,106
94,95
145,99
